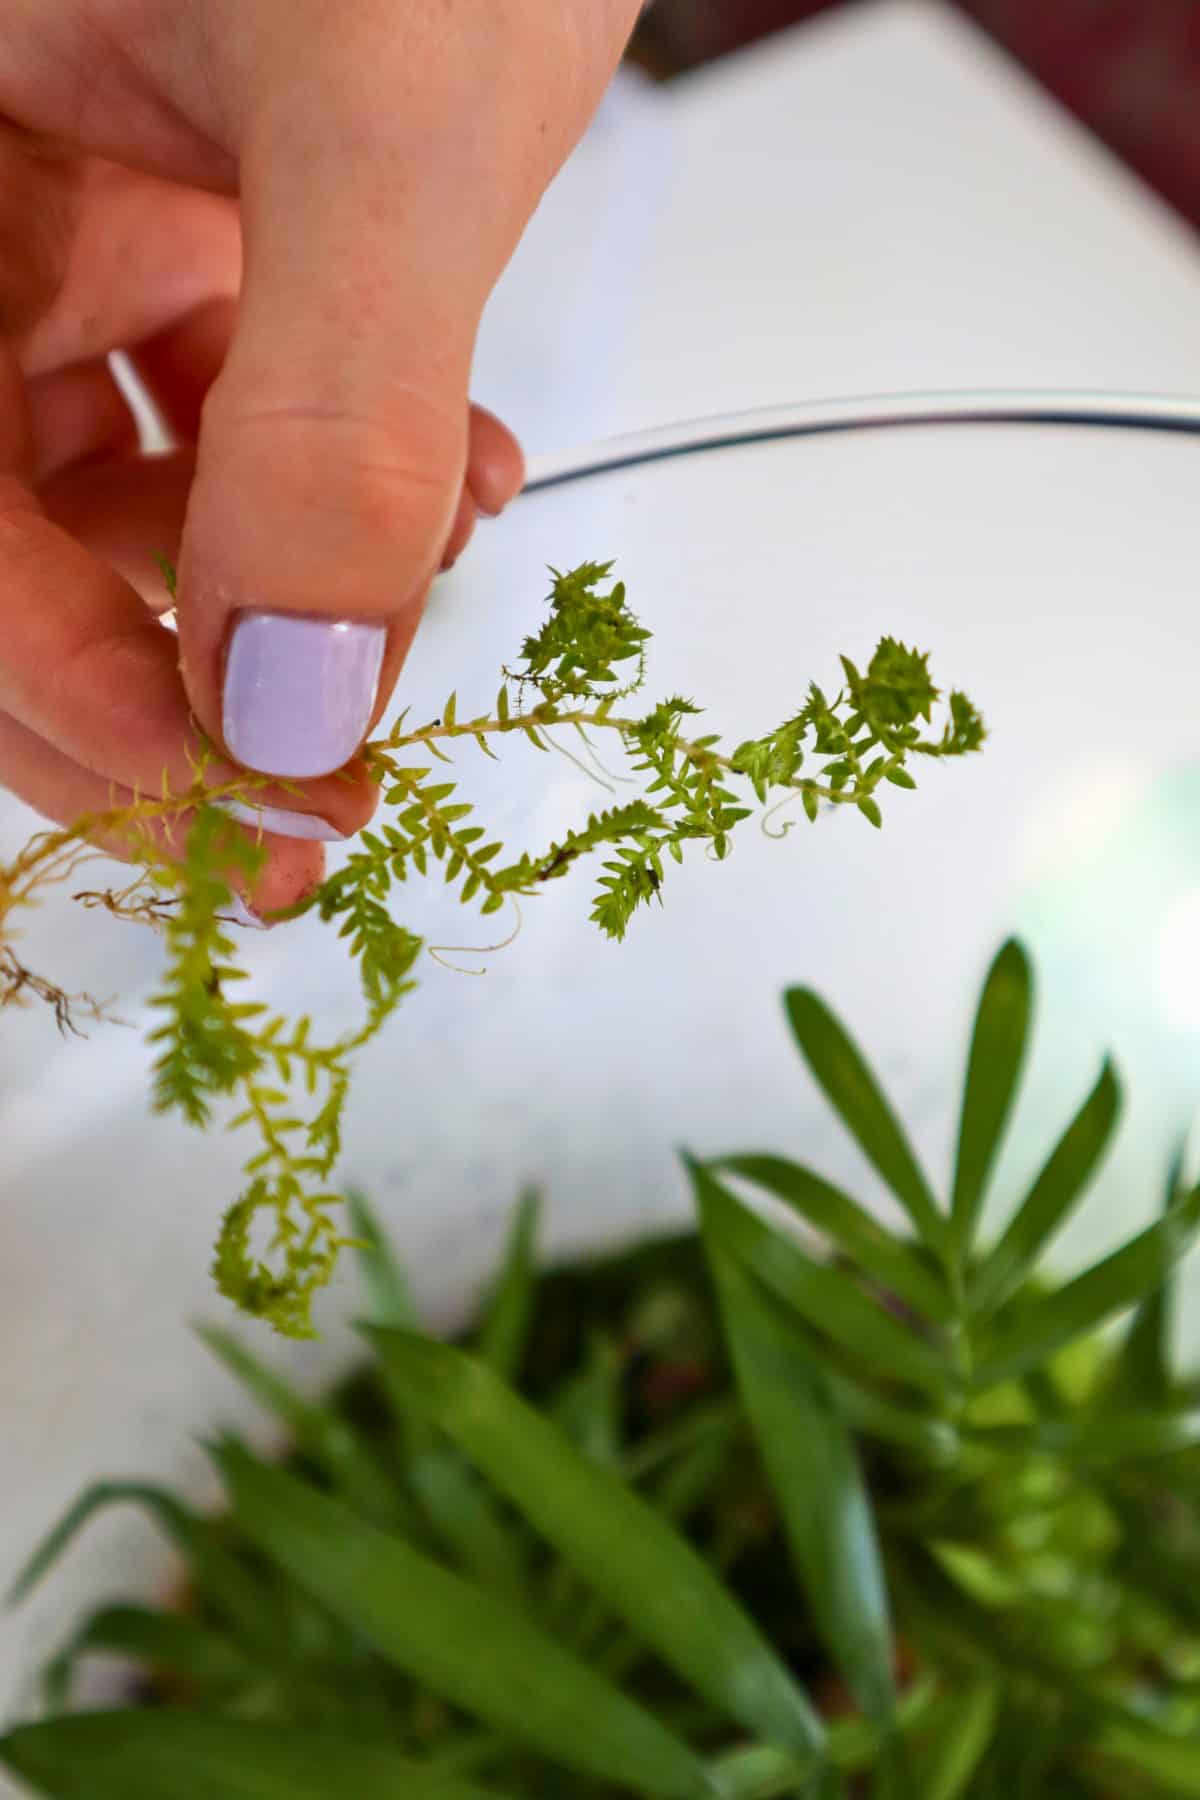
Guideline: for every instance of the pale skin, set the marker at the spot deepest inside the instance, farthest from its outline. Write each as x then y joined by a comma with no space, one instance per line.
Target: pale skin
291,215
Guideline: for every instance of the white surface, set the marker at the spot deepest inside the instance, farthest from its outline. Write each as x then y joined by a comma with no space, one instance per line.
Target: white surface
882,200
894,208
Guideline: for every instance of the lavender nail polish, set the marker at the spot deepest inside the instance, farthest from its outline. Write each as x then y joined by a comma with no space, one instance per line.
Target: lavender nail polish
299,691
242,915
282,822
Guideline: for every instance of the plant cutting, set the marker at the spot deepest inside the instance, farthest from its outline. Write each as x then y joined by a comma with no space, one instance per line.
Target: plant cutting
803,1507
578,678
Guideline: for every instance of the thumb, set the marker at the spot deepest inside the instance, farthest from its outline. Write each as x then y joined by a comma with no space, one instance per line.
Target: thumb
332,447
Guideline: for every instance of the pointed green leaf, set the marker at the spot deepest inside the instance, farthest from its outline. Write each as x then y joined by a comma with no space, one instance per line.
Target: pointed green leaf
464,1518
998,1043
913,1428
1029,1332
1050,1201
319,1431
1170,1764
958,1729
830,1301
150,1755
852,1089
164,1641
506,1321
1143,1364
386,1281
814,1473
217,1575
634,1559
1108,1437
868,1244
761,1773
392,1304
587,1408
450,1635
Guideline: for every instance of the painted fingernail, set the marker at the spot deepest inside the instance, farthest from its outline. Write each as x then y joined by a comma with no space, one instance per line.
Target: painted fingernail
241,914
299,692
279,820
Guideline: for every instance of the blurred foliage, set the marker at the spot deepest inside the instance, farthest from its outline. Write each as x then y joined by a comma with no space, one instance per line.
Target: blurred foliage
805,1508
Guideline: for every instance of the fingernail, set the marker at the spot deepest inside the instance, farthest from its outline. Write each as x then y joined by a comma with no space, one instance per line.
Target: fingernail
241,914
299,692
279,820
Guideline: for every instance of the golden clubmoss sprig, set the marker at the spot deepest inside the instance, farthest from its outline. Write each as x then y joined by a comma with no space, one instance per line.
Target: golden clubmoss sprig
575,677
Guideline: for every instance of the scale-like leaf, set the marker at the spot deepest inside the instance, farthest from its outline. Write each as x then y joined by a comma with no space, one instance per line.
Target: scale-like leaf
852,1089
894,1264
813,1470
649,1575
140,1754
1053,1197
993,1074
452,1636
1028,1333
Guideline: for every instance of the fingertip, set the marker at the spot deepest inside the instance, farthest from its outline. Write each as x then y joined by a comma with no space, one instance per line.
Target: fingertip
495,463
293,870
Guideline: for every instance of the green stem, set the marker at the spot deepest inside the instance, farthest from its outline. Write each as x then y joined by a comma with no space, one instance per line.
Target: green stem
382,750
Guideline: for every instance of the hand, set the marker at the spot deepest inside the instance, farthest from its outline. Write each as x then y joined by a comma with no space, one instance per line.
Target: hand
290,214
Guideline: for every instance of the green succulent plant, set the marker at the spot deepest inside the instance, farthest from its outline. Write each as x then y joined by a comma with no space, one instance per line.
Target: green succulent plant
809,1508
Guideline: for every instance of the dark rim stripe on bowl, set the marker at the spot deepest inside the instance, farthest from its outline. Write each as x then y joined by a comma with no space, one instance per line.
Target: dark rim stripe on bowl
816,418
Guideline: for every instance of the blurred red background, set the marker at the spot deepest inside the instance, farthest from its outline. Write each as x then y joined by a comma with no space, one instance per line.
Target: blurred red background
1130,69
